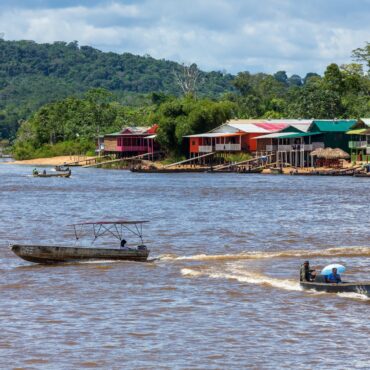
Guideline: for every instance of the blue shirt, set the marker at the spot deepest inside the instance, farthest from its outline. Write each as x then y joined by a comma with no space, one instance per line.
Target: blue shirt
334,279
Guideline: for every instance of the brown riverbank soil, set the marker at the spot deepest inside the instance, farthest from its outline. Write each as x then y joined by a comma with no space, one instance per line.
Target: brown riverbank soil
52,161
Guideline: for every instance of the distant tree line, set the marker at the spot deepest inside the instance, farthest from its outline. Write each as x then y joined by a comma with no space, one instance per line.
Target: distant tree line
186,101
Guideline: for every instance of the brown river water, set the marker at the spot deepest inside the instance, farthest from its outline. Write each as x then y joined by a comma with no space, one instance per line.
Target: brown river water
222,292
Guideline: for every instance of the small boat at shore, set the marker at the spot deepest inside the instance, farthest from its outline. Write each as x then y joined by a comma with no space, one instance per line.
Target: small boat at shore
58,174
345,287
50,254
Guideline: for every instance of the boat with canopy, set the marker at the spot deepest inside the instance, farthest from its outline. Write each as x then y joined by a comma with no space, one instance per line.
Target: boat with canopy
49,254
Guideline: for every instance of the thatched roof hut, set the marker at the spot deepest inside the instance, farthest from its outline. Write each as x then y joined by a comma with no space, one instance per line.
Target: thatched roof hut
317,152
338,153
329,153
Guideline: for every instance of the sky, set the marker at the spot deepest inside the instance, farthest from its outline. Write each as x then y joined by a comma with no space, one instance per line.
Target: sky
298,36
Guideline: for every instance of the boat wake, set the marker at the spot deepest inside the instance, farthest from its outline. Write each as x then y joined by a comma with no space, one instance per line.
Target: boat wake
244,277
330,252
255,278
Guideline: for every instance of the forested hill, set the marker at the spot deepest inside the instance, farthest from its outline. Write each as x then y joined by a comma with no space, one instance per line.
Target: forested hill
33,74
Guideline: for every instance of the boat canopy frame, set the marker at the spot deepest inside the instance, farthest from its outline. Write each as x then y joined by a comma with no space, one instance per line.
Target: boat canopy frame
114,228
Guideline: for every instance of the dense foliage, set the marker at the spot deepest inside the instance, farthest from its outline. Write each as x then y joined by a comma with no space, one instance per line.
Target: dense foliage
180,117
32,75
70,126
132,90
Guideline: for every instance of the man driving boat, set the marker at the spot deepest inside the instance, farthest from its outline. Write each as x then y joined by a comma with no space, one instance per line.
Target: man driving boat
307,274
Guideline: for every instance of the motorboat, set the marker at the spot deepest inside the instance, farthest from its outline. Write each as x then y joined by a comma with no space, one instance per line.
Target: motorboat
57,174
320,285
50,254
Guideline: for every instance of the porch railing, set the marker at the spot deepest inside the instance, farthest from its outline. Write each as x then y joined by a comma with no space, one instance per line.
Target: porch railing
228,147
205,149
357,144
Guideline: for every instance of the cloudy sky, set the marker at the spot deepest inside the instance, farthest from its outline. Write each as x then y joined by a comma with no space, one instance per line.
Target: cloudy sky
298,36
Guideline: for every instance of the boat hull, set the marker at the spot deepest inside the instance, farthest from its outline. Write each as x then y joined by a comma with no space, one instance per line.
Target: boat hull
57,254
68,174
359,288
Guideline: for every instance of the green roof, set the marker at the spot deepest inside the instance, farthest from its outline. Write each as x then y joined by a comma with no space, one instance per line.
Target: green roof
332,125
298,134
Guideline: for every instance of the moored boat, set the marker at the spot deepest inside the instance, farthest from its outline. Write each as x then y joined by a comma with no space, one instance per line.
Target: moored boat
66,174
48,254
345,287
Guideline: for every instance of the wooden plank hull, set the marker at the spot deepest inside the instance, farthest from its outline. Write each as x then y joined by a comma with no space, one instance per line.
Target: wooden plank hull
360,287
68,174
55,254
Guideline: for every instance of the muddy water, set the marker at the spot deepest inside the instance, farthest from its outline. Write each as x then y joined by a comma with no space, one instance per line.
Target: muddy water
224,292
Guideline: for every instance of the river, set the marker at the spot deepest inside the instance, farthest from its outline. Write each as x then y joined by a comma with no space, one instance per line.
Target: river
223,291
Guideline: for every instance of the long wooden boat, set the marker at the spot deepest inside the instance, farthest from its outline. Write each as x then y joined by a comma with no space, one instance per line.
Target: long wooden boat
360,287
48,254
60,174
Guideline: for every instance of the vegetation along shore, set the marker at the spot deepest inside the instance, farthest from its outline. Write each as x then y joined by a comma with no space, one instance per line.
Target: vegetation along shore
155,111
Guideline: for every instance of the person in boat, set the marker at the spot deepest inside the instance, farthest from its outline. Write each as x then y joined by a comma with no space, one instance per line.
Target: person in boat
123,243
35,172
44,172
333,277
307,274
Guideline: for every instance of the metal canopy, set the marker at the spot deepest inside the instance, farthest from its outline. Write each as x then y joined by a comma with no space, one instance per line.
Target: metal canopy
114,228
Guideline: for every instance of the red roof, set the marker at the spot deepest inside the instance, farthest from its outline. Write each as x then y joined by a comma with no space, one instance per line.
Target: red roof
153,129
272,126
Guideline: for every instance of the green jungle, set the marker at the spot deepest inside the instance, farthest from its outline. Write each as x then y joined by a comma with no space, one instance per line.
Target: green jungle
55,99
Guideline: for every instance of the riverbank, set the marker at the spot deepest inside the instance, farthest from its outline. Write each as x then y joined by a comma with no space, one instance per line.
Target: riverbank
51,161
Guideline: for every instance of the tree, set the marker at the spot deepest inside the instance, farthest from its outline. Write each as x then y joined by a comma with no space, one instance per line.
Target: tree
188,78
333,79
295,80
243,82
282,77
362,54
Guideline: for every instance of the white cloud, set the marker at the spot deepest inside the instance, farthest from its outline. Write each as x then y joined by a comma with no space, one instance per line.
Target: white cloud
237,35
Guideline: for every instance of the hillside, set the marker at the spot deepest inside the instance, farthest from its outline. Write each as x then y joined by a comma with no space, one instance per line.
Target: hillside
33,74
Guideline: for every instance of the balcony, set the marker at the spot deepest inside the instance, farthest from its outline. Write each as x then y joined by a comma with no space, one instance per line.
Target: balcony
228,147
271,148
205,148
132,148
357,144
300,147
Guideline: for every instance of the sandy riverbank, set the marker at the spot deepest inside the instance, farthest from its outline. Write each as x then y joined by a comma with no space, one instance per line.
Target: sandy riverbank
52,161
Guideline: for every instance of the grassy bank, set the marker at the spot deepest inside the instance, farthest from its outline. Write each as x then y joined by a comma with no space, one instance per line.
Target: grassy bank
23,151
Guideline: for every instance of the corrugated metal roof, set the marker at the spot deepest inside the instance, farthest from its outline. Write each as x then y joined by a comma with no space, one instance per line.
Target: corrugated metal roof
287,135
366,121
332,125
275,135
249,128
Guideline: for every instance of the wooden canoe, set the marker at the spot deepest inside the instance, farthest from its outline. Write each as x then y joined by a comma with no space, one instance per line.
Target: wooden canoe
48,254
60,174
